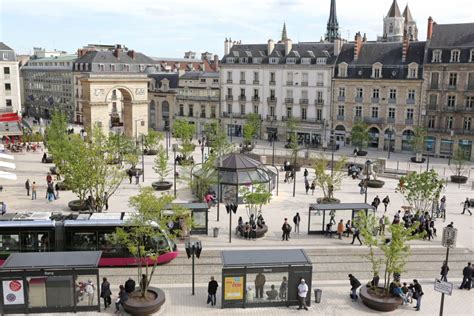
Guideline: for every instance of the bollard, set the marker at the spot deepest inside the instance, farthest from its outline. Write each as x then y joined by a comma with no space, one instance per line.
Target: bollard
398,162
444,172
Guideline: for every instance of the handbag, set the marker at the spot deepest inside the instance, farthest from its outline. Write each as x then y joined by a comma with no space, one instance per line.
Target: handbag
209,298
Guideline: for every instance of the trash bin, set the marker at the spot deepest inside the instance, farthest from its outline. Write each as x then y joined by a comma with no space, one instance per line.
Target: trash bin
216,232
317,295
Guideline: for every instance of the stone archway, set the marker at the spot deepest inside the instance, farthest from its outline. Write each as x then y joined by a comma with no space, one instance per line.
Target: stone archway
96,92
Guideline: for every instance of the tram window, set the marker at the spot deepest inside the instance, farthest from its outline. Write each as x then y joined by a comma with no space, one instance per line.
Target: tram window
160,242
9,242
28,242
43,242
106,244
84,241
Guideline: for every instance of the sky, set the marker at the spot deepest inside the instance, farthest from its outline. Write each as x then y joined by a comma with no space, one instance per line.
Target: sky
169,28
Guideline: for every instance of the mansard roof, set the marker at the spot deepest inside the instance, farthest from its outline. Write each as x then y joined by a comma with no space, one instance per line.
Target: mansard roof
452,35
172,78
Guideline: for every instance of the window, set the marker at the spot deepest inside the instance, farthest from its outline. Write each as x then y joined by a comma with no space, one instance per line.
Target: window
272,111
229,92
291,60
229,76
467,124
255,77
411,95
321,61
255,93
413,72
340,110
306,61
377,70
319,114
8,86
451,100
203,110
273,60
229,108
410,114
320,79
242,109
230,60
453,79
470,81
433,100
449,122
213,111
203,80
8,102
390,28
289,78
112,67
359,93
358,111
304,94
243,60
272,94
191,110
343,70
455,54
376,73
303,113
257,60
431,121
376,93
242,76
304,80
434,80
255,109
392,94
470,102
9,242
320,97
272,78
391,113
375,112
289,111
6,70
342,92
101,67
436,56
242,92
471,56
289,93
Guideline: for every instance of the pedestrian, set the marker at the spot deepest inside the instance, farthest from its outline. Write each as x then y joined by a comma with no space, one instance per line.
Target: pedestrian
313,187
130,175
466,207
33,191
296,221
442,207
302,292
106,201
50,193
332,214
122,298
385,202
356,235
105,292
355,284
259,284
444,272
466,277
305,173
340,228
49,178
376,202
27,187
286,228
130,285
90,289
56,188
211,291
417,294
382,223
283,289
348,228
306,185
137,178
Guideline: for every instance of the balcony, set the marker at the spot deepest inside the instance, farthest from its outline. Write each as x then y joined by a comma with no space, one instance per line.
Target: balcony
242,98
229,81
256,82
410,101
392,100
256,99
233,115
375,100
341,98
229,97
409,121
304,84
319,84
304,101
288,100
272,82
452,87
242,81
390,120
449,109
271,100
319,102
203,115
289,83
271,118
198,98
374,120
340,117
359,99
434,86
432,107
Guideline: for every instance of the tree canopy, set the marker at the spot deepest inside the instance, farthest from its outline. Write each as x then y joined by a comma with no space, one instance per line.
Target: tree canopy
251,128
359,134
323,179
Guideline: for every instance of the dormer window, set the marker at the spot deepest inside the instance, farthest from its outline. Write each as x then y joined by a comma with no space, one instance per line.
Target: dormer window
273,60
257,60
436,56
377,71
412,71
230,60
471,56
343,70
291,60
455,55
243,60
306,61
321,61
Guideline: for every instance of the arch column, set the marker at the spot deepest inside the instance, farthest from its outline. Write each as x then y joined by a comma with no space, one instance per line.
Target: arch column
96,113
132,112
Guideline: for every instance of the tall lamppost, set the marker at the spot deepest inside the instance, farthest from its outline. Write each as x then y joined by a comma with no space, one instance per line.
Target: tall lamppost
143,161
202,150
449,241
175,148
231,126
333,145
390,132
231,208
193,248
136,128
367,178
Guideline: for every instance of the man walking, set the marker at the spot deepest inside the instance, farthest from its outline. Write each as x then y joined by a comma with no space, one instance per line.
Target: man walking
211,291
444,272
356,235
105,292
466,207
302,292
417,294
296,221
385,202
27,187
466,277
33,191
355,284
286,228
259,284
376,202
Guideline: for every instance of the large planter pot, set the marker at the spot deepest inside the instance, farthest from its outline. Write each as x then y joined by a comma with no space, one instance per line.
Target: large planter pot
150,152
361,153
327,201
137,306
260,231
458,179
161,185
379,303
375,183
77,205
413,159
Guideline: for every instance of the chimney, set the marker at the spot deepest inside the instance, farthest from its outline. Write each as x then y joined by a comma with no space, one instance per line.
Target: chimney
226,46
406,44
430,29
357,45
364,39
131,54
270,46
338,46
288,46
216,63
117,51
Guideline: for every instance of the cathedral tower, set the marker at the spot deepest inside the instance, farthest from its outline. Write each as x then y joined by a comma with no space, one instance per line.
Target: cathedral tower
332,32
393,24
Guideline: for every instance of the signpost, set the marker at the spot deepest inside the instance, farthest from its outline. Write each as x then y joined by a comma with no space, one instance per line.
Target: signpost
449,241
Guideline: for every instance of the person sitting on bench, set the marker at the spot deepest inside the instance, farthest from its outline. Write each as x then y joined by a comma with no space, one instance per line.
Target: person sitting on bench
329,230
272,294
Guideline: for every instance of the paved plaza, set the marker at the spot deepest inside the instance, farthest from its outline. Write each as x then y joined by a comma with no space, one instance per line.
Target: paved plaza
332,258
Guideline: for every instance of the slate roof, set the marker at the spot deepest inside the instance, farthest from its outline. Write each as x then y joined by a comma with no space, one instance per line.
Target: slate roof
52,260
236,161
194,75
453,35
394,11
109,58
3,46
172,77
267,257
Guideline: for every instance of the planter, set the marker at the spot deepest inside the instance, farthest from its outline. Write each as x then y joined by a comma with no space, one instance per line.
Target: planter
260,231
328,201
151,152
134,171
379,303
53,170
459,179
246,149
48,160
161,185
77,205
375,183
361,153
135,305
62,186
413,159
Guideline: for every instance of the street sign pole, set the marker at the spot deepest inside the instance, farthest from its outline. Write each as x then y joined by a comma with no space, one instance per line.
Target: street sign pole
448,241
441,308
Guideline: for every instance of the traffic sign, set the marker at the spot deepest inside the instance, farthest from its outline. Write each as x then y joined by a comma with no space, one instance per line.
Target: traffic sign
449,237
443,287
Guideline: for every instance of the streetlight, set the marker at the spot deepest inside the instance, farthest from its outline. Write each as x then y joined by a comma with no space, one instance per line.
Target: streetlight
390,132
449,241
193,248
202,150
231,126
143,162
367,178
333,144
142,123
175,148
231,208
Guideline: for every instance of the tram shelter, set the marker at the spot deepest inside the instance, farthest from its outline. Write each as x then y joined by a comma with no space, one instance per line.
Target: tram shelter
47,282
319,215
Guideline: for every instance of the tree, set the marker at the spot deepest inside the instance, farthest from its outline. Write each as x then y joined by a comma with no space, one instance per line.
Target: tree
420,189
217,139
360,134
151,140
161,164
323,180
255,198
184,131
251,128
395,247
57,139
292,125
459,165
418,142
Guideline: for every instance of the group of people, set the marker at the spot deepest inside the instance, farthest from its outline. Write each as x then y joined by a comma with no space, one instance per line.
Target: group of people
426,225
248,230
125,291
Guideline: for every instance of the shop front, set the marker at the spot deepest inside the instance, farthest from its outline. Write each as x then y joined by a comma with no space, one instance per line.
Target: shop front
465,146
264,278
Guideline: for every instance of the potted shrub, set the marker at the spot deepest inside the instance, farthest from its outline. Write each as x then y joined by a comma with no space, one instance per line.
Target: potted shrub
132,159
418,144
360,137
251,130
184,131
459,166
161,168
327,183
254,199
151,141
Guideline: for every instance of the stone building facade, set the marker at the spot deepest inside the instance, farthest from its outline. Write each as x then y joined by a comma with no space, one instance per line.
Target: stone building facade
10,100
162,92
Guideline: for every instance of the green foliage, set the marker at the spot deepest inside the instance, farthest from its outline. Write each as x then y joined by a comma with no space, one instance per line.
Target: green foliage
323,179
255,198
251,128
152,139
161,164
418,140
396,249
118,146
292,125
132,159
30,137
459,162
360,134
184,131
420,189
57,138
217,139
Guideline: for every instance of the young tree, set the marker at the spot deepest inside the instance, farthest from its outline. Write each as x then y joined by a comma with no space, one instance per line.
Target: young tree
292,125
418,142
152,140
251,128
255,198
184,131
420,189
360,134
57,139
323,179
161,164
459,164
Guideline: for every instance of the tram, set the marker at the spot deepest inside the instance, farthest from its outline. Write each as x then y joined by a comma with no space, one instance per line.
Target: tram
43,232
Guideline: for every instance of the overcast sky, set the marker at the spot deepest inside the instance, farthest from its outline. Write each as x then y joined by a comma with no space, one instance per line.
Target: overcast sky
169,28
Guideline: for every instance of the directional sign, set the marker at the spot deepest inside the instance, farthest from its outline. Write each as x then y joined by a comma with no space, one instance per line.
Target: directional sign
443,287
449,237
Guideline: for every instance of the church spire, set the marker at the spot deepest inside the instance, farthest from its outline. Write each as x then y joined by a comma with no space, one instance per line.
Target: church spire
332,31
284,36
